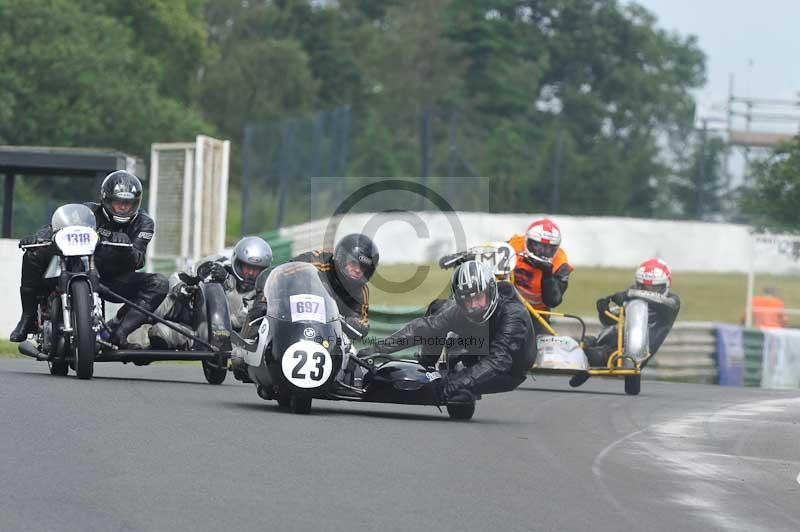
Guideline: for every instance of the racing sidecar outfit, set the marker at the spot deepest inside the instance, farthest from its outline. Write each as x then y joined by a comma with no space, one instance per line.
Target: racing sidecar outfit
176,309
506,344
662,312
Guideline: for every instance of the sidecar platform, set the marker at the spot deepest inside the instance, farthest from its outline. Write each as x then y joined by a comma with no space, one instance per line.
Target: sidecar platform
151,355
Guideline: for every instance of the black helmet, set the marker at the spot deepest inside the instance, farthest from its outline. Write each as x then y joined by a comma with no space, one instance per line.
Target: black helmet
121,196
355,258
251,256
475,291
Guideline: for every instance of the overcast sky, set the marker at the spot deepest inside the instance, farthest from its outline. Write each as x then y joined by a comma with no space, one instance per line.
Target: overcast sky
733,32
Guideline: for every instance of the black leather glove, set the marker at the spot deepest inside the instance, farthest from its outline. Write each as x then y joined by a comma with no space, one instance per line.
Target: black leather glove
119,238
185,291
619,298
602,305
28,240
212,271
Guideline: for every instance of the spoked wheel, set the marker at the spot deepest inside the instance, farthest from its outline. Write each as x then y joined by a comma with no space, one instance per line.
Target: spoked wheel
214,372
82,325
633,384
462,411
58,367
300,404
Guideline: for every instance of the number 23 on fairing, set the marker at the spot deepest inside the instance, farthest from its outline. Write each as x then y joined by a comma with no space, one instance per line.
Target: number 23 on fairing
306,364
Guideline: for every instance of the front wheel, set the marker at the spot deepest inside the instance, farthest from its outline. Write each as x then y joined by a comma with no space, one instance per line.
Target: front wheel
59,367
84,334
215,374
463,411
300,404
633,384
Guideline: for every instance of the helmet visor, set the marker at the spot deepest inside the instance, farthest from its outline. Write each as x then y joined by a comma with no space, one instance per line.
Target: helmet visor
124,206
541,250
655,288
248,272
475,305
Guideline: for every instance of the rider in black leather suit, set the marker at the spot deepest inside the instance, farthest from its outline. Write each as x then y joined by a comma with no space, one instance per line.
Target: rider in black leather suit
120,221
497,326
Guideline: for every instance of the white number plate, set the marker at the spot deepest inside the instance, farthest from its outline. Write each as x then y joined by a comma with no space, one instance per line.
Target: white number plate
307,364
76,240
499,257
307,307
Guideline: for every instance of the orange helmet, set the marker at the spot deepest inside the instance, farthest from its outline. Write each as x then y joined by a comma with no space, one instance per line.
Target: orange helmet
542,240
653,275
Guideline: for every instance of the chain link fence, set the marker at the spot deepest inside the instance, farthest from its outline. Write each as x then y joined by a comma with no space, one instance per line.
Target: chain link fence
295,170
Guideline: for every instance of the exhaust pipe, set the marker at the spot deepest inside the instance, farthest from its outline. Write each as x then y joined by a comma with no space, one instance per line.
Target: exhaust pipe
28,349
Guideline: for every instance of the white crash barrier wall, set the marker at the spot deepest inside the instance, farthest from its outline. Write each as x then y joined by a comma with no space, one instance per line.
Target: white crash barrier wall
10,268
423,237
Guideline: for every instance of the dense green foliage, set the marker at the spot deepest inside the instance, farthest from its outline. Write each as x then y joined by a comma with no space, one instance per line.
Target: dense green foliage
520,91
775,197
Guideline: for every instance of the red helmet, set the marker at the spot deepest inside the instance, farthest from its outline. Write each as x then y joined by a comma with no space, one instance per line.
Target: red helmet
542,240
653,275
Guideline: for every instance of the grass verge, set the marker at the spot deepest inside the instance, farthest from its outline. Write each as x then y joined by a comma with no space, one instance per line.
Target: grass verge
704,296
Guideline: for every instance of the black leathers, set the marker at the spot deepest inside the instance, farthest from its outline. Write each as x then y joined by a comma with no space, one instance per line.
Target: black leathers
117,265
506,342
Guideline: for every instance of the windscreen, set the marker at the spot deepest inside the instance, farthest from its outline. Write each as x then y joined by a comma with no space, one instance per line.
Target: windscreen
294,292
72,214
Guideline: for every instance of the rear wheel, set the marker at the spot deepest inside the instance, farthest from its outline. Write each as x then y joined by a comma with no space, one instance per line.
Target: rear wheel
215,374
633,384
82,325
463,411
300,404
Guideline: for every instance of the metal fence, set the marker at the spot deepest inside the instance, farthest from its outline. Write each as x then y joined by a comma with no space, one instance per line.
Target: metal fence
281,159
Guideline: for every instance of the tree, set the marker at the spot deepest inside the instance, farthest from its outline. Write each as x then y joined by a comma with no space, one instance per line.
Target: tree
70,75
774,198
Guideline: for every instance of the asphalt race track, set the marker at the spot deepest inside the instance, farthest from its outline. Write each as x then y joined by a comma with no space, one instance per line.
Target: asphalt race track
157,449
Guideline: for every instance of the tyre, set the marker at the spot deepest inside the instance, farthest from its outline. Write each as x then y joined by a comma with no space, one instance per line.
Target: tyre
284,400
58,367
300,404
463,411
83,332
214,374
633,384
262,392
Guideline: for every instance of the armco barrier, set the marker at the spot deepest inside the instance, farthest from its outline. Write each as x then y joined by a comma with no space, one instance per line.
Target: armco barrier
688,354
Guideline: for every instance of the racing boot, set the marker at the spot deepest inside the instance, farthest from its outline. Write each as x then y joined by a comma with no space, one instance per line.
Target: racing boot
579,378
133,320
27,322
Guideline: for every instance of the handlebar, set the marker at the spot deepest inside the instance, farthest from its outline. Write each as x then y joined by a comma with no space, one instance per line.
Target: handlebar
48,243
38,245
